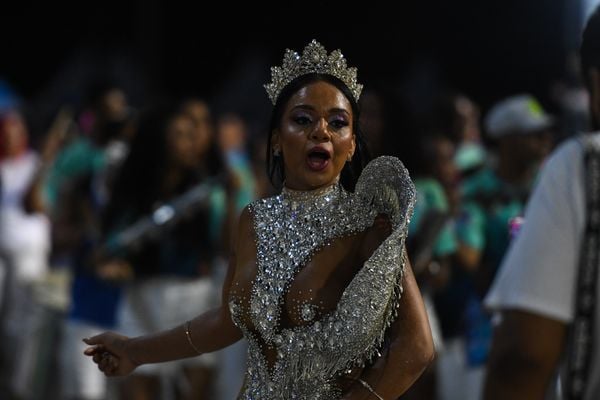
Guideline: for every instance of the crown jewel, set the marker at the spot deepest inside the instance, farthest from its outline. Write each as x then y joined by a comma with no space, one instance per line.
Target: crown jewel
314,59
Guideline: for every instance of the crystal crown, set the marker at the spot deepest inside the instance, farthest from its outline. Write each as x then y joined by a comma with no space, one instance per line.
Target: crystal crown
314,59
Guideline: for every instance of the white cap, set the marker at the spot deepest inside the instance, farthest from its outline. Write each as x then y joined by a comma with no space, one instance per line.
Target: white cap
520,114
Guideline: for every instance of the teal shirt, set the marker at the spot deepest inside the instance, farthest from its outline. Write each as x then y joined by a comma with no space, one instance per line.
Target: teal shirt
92,300
470,226
240,166
430,195
489,205
78,158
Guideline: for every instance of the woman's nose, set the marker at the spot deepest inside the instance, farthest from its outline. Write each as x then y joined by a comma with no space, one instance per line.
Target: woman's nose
320,131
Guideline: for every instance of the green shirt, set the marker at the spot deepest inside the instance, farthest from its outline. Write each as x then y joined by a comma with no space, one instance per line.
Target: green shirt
431,196
78,158
490,203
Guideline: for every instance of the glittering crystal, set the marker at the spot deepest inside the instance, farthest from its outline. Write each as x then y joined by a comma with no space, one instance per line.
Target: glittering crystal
314,59
309,357
317,326
307,312
337,326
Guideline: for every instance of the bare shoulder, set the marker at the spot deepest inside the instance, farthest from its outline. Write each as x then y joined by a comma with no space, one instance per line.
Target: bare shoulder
245,237
246,222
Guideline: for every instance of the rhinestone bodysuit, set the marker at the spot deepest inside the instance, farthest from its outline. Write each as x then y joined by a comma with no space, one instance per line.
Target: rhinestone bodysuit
290,228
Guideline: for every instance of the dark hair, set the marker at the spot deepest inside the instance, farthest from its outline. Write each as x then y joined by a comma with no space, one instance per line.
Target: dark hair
590,44
352,169
142,172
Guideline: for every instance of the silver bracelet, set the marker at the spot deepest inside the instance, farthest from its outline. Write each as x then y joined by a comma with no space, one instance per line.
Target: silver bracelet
189,337
370,389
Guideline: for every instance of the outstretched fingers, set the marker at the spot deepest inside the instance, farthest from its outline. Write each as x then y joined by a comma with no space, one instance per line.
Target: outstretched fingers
98,344
107,351
97,339
94,350
99,353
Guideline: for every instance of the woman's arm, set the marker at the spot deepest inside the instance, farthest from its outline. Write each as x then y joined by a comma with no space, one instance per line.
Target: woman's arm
409,353
118,355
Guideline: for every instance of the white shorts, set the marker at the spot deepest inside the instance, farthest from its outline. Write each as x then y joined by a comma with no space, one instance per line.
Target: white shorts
162,303
80,377
436,331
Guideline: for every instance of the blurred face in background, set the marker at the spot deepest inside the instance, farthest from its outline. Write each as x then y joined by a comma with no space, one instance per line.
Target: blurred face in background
13,134
444,168
110,117
541,144
114,105
199,114
467,119
231,133
530,148
182,142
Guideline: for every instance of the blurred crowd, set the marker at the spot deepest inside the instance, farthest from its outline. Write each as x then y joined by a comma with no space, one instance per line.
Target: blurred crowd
118,216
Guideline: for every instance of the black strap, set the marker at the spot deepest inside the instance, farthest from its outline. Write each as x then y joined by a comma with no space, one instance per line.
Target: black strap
582,344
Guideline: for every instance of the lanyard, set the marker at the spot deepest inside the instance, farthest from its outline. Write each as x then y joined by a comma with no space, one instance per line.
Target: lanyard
581,346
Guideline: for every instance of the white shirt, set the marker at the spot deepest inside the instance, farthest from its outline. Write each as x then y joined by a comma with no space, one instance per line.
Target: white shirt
25,238
539,272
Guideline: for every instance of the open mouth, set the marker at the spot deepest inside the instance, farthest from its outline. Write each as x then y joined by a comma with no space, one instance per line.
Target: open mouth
318,158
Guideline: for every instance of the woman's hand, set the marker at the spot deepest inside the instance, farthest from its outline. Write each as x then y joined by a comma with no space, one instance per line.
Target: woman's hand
375,235
111,352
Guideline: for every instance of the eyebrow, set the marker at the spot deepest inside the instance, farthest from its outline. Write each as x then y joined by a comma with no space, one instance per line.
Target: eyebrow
331,110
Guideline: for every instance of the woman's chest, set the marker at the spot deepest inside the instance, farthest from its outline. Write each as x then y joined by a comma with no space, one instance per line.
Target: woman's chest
277,294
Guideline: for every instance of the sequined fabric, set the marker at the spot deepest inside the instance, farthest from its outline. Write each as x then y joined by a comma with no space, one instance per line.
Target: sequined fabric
290,228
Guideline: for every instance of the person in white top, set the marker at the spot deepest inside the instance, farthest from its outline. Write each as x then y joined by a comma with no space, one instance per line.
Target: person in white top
535,289
24,249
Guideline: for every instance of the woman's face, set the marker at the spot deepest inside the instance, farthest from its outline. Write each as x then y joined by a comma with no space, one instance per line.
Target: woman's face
315,136
15,135
444,166
181,140
199,113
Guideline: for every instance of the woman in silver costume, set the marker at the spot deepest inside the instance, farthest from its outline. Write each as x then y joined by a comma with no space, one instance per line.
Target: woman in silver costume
318,283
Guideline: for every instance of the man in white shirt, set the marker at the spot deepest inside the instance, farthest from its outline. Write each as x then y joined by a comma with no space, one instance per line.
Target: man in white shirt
535,289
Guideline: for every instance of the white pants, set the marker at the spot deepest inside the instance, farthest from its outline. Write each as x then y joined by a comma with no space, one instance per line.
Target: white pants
80,377
456,379
162,303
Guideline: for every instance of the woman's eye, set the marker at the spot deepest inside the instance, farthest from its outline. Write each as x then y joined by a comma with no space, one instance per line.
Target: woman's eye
339,123
302,120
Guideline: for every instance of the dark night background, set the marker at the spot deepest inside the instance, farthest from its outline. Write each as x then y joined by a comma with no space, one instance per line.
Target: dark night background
222,51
